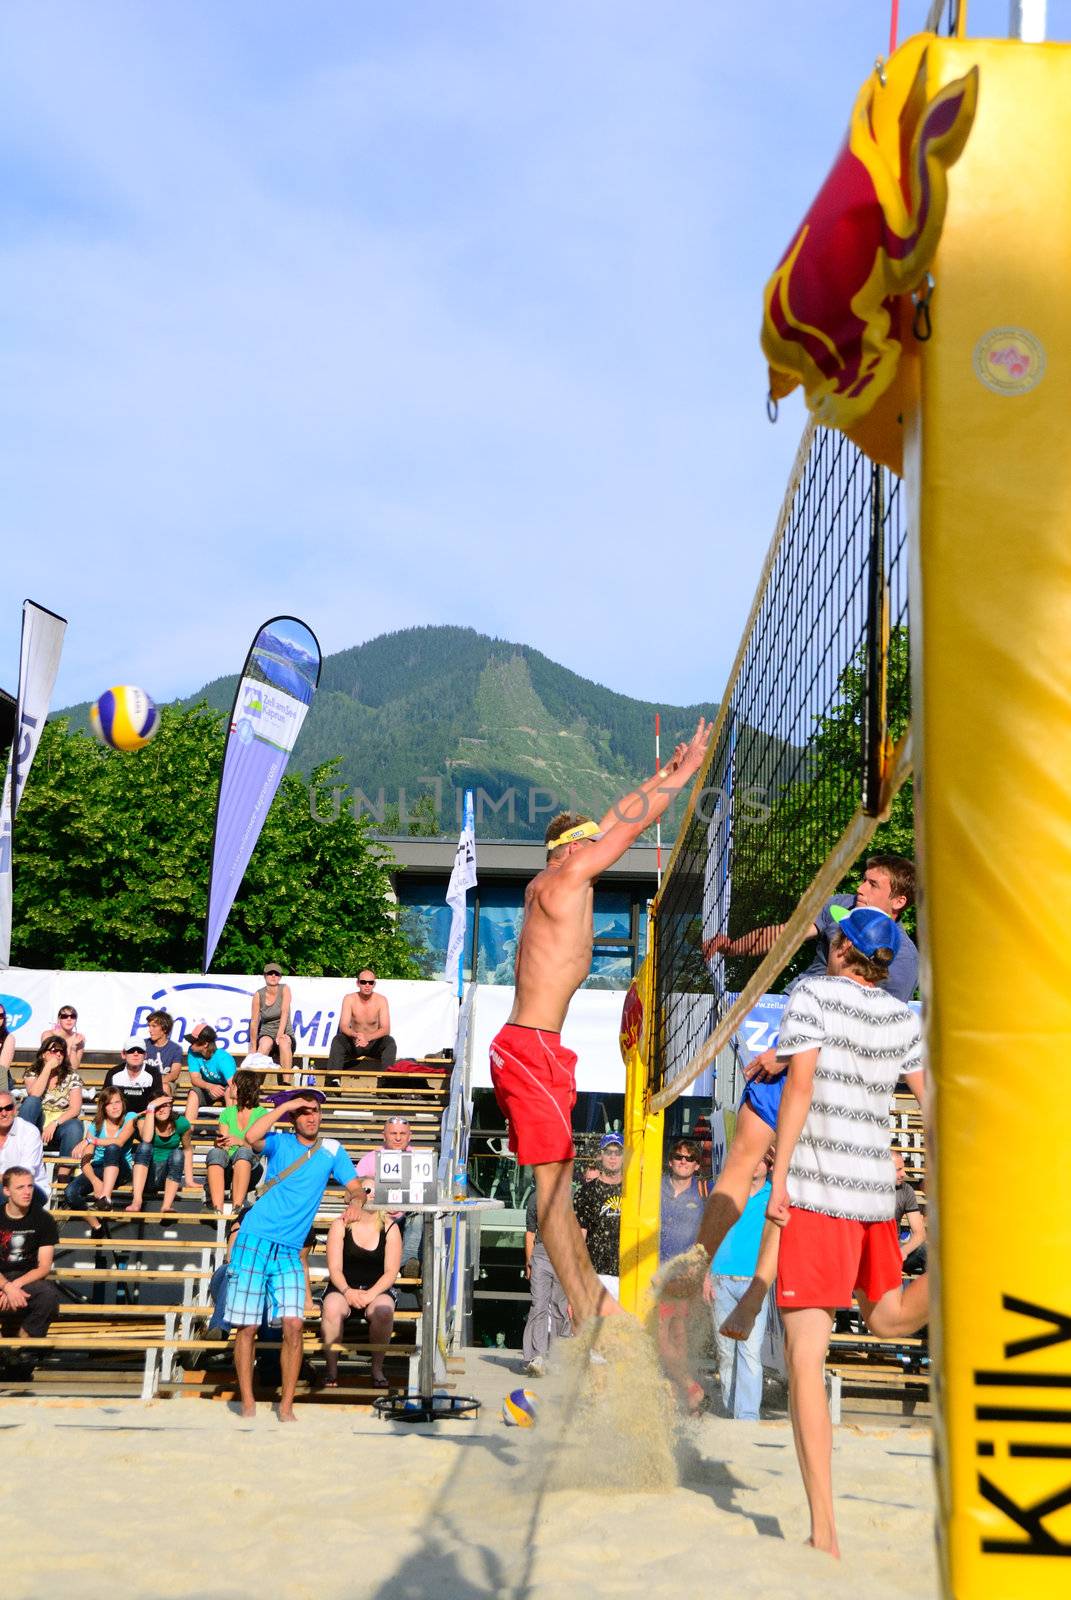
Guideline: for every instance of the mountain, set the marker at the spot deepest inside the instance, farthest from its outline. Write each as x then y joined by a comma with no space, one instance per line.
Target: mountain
473,712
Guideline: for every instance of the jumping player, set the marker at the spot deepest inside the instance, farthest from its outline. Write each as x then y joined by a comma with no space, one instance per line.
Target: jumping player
533,1074
847,1042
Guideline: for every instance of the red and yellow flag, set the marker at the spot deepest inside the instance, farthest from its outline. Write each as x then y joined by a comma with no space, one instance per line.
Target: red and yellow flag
831,310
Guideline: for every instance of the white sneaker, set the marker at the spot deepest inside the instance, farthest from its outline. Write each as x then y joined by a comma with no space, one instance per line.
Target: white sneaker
536,1368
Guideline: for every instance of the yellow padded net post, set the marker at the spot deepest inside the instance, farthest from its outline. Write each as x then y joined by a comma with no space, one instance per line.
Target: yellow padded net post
986,455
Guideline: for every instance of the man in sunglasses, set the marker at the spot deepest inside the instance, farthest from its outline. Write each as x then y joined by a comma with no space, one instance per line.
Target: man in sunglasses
363,1027
20,1145
534,1075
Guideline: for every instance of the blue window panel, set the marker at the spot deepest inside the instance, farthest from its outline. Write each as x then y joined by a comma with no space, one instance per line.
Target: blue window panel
613,914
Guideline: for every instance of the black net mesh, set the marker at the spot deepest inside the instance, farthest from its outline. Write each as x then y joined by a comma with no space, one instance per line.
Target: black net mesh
822,690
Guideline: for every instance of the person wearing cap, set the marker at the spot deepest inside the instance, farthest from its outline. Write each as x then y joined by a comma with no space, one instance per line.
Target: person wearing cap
210,1067
533,1073
138,1083
269,1020
598,1212
847,1043
887,886
265,1272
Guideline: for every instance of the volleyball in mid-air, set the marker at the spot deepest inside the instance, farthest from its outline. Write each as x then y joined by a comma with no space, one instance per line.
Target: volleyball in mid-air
124,718
519,1409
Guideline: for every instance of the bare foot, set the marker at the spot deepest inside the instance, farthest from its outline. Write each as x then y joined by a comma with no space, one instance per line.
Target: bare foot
133,1206
740,1322
249,1411
828,1547
287,1415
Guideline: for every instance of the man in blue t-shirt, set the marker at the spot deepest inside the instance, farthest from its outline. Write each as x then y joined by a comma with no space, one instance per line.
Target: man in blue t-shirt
265,1272
211,1069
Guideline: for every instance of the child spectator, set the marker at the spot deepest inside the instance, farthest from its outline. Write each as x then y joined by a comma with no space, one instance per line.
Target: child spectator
104,1153
28,1237
158,1159
163,1056
54,1097
363,1260
232,1157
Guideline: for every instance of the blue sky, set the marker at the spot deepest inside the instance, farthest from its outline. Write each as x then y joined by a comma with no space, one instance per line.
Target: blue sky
397,314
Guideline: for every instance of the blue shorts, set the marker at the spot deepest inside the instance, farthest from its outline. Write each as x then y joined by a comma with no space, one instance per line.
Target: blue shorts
263,1278
765,1099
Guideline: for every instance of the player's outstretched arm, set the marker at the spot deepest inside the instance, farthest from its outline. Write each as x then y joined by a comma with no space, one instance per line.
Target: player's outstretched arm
628,817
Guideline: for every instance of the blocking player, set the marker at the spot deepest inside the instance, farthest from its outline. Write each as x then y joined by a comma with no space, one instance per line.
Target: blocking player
847,1042
534,1076
888,885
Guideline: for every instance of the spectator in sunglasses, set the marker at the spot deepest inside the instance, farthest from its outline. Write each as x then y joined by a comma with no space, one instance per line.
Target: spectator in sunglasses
363,1027
53,1102
65,1027
20,1145
7,1050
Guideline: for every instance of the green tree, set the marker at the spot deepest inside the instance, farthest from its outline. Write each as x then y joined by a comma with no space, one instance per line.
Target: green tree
112,858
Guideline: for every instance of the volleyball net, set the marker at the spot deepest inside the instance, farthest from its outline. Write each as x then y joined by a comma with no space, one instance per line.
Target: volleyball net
810,747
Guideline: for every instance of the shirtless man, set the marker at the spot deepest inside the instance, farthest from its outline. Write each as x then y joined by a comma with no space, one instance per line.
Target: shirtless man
533,1075
363,1027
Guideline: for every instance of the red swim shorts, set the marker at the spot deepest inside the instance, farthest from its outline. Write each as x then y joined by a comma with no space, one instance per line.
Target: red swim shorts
535,1086
823,1260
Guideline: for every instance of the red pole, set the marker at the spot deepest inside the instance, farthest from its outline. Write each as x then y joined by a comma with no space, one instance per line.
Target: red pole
658,768
894,24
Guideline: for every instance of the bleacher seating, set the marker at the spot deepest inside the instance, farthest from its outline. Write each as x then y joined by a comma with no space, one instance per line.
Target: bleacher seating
134,1298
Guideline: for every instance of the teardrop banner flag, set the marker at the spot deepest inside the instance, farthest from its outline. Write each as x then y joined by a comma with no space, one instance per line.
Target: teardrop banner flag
274,693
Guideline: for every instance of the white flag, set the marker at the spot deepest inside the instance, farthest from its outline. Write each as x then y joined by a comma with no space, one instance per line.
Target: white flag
42,642
462,879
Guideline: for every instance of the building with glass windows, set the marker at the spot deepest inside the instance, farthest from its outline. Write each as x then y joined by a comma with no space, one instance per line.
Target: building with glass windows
496,906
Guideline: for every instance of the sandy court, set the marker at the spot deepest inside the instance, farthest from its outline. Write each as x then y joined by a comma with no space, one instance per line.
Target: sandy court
183,1499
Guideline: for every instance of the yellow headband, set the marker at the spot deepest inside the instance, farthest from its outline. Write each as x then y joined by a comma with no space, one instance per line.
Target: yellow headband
583,830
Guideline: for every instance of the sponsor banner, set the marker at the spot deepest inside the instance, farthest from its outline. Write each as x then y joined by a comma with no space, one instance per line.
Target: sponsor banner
113,1005
42,644
274,693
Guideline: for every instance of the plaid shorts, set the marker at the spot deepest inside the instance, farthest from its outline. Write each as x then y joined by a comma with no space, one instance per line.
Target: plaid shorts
263,1278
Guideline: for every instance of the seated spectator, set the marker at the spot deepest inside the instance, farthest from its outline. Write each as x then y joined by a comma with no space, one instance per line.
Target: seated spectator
20,1145
137,1082
232,1157
211,1070
104,1153
163,1056
731,1272
29,1298
363,1027
913,1245
158,1159
7,1050
398,1135
54,1097
270,1032
363,1260
66,1028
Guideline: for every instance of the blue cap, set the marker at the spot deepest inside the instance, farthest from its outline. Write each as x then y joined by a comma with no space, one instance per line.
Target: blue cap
868,929
609,1139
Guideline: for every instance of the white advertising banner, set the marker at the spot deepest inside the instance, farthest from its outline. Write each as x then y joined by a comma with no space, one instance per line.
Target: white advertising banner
42,644
113,1005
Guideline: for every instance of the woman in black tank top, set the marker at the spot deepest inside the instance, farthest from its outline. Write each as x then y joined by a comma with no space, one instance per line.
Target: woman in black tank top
363,1262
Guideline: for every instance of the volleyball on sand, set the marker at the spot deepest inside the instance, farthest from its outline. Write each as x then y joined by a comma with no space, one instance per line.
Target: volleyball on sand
519,1409
124,718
